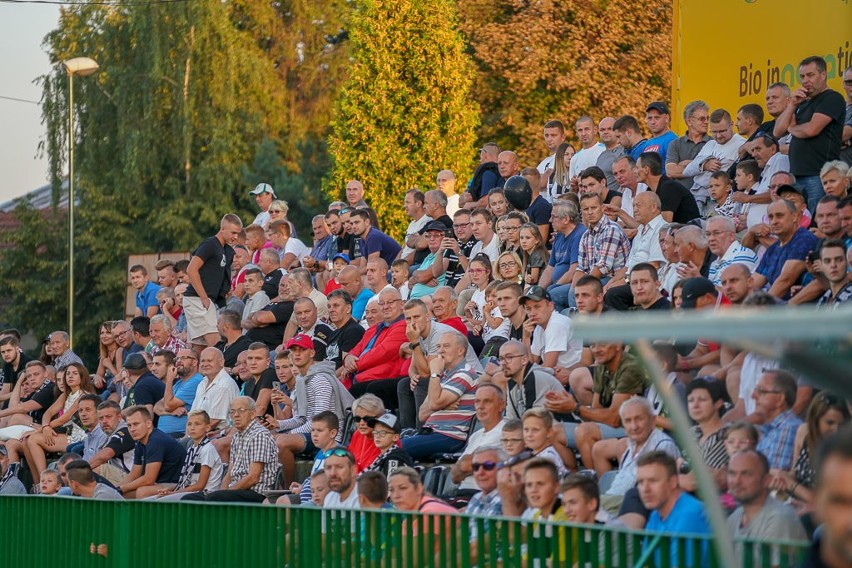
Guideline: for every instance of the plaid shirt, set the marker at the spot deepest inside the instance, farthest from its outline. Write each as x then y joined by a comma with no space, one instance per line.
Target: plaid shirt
489,505
173,344
66,359
255,444
777,440
604,246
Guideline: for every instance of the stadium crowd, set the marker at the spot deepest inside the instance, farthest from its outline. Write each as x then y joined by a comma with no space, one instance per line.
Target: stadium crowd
374,360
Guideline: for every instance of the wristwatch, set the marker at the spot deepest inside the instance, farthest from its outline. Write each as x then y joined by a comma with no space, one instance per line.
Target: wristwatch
414,345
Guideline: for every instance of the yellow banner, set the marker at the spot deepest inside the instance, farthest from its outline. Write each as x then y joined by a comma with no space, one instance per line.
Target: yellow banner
726,52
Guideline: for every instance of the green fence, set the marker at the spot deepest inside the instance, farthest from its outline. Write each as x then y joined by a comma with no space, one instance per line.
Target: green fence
41,531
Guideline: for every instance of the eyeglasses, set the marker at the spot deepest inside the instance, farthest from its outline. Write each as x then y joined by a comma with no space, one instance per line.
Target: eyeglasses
235,411
512,228
511,440
508,264
117,335
461,225
487,466
700,118
366,419
507,358
477,270
761,391
276,211
381,433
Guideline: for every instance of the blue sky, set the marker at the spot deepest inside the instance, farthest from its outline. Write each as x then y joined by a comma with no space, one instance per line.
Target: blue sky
22,28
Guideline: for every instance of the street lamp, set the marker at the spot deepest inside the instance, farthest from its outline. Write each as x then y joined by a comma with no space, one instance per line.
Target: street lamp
82,67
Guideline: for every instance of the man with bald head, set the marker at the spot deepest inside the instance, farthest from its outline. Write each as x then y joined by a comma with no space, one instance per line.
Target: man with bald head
612,151
587,156
736,283
350,280
355,194
446,182
376,363
216,390
722,242
507,165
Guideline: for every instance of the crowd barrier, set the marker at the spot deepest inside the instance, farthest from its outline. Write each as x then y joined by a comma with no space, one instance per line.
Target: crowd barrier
46,531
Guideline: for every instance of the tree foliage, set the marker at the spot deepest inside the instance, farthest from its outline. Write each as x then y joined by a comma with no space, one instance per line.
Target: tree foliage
406,110
548,59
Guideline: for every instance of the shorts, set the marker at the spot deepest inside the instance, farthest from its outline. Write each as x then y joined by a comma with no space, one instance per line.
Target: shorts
607,432
633,504
199,322
310,448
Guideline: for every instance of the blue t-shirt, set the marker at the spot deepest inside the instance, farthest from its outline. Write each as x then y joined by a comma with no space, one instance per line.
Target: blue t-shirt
660,144
565,252
360,302
184,390
802,243
539,211
419,290
686,518
378,241
637,149
147,390
147,297
163,449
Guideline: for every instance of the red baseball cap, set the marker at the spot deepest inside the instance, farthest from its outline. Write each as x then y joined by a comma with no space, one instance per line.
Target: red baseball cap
300,340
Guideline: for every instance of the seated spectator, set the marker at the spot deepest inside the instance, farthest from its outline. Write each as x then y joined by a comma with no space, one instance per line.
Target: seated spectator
487,243
181,384
256,298
618,376
347,332
319,489
539,438
400,273
374,243
558,276
325,429
267,325
541,489
146,292
445,302
49,483
143,388
375,364
202,467
581,501
157,459
826,414
759,516
338,263
302,287
642,438
350,281
489,404
549,334
449,404
783,263
721,199
722,242
512,438
673,511
341,473
406,493
322,391
704,404
774,397
391,457
216,391
432,270
160,329
365,410
110,455
59,418
373,490
14,361
253,461
9,482
834,268
305,313
29,400
527,384
485,463
290,249
81,480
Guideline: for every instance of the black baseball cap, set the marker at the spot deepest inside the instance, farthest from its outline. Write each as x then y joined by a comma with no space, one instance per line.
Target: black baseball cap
693,289
658,106
135,362
434,226
536,294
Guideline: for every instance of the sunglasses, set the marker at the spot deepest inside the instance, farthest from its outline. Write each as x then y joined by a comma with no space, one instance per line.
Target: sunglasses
487,466
363,419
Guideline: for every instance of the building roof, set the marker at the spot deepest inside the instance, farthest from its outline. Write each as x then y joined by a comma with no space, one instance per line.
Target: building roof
40,198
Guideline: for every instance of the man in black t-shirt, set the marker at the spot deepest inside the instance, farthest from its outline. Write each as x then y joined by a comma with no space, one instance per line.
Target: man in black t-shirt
677,204
114,458
259,385
28,409
814,117
144,389
14,361
267,325
272,272
157,459
209,274
347,333
233,341
308,323
457,250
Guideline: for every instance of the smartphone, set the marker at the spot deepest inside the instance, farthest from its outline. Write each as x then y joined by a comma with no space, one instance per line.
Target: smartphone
276,385
494,360
449,234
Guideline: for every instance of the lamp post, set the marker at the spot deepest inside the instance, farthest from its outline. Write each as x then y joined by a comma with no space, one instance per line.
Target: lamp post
82,67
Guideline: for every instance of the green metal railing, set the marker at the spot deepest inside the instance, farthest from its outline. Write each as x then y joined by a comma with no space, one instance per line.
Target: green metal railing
41,531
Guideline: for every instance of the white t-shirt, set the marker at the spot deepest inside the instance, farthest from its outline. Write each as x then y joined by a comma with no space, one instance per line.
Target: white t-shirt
210,457
559,337
627,197
293,245
492,249
414,227
452,205
546,164
332,500
585,158
215,397
480,439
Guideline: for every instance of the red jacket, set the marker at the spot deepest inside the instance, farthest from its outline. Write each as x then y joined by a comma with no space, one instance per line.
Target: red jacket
382,361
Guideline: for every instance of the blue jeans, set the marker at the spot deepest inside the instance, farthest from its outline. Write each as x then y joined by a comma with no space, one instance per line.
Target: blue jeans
424,446
607,432
812,186
560,293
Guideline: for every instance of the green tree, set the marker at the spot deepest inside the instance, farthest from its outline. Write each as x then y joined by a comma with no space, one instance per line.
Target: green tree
164,133
406,110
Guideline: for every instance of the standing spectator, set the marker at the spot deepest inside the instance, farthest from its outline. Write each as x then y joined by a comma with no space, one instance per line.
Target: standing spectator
657,118
673,511
253,462
630,136
611,153
157,459
814,116
717,155
775,395
209,274
146,292
682,151
263,196
586,156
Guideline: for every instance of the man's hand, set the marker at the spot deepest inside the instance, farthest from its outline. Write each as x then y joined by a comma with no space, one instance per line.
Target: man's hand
739,197
436,365
712,165
562,374
412,331
529,327
205,301
798,96
350,363
179,411
688,270
562,402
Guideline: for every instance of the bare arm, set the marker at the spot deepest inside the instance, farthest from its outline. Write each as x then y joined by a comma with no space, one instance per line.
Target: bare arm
789,274
250,478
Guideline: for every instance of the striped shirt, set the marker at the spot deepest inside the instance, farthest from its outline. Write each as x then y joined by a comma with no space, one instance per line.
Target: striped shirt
604,246
736,254
318,396
777,439
254,444
66,359
461,382
713,448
